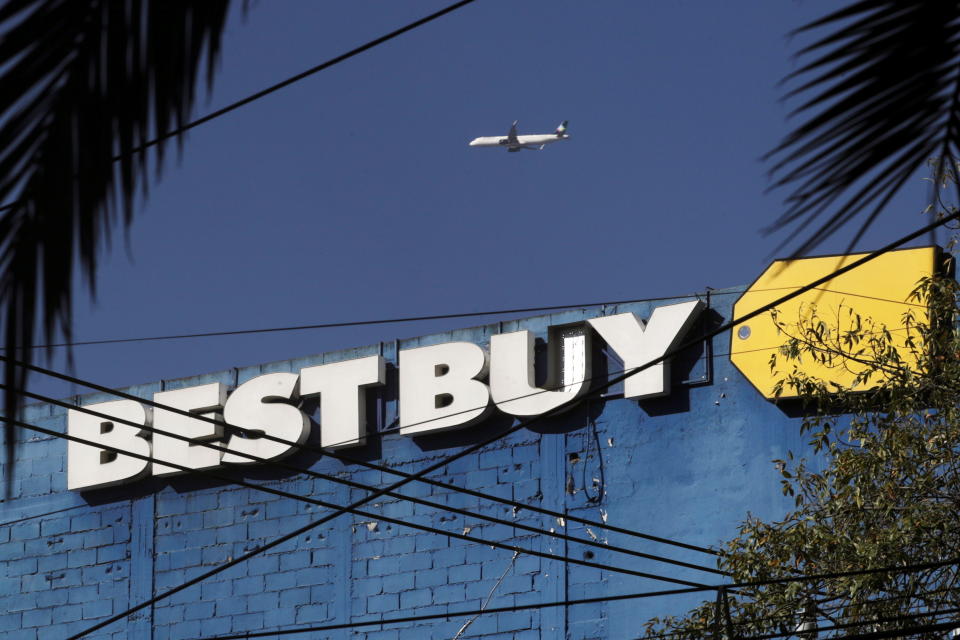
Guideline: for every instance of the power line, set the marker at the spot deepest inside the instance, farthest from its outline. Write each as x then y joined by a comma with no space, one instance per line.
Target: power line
358,485
341,508
352,323
822,614
347,459
445,316
280,85
573,602
460,613
862,623
293,534
907,615
390,432
547,389
481,495
903,631
524,423
280,540
439,484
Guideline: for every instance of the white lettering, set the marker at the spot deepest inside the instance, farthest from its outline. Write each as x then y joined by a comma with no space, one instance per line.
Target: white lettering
88,466
637,344
439,389
512,372
203,400
259,404
342,390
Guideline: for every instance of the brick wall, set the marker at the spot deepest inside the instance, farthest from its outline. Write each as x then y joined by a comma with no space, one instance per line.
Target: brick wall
688,467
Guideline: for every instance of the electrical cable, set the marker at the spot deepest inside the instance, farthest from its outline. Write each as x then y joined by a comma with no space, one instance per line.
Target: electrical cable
280,85
843,625
902,632
860,623
524,423
495,498
389,431
439,484
599,599
519,505
446,316
349,460
352,323
792,617
342,508
293,534
457,614
358,485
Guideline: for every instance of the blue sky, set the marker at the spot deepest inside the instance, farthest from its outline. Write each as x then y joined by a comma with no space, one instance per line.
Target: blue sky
353,194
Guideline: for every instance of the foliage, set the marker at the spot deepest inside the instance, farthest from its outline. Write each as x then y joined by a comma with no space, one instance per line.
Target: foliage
880,92
87,86
881,489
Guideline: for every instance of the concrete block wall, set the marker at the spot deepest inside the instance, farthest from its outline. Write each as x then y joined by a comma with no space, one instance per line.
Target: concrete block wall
687,467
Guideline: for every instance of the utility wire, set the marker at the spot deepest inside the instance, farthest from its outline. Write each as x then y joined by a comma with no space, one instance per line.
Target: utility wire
547,389
793,617
353,323
358,485
902,631
448,486
842,625
350,460
600,599
280,85
293,534
445,316
347,509
863,623
522,424
457,614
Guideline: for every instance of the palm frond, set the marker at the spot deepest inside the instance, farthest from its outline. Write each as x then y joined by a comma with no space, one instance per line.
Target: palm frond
85,84
881,93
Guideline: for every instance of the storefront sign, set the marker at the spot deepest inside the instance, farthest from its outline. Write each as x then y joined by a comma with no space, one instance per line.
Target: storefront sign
441,387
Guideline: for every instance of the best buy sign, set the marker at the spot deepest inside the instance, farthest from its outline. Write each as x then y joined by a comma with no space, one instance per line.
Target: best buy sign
878,291
457,384
444,386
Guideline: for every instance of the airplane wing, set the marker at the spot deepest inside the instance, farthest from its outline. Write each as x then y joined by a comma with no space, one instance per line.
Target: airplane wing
512,136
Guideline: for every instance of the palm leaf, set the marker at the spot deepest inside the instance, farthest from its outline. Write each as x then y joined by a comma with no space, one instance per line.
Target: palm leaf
86,84
881,96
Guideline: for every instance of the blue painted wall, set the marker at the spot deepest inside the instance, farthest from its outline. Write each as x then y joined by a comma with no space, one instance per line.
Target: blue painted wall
687,467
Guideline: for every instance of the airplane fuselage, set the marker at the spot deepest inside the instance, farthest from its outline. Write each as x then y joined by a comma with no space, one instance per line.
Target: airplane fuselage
529,141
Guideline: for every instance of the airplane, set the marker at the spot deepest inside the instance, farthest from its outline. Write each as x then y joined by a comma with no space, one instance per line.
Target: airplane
513,142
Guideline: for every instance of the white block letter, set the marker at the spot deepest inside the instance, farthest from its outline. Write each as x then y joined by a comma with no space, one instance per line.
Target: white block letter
259,404
439,389
638,344
512,372
89,467
204,400
341,386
